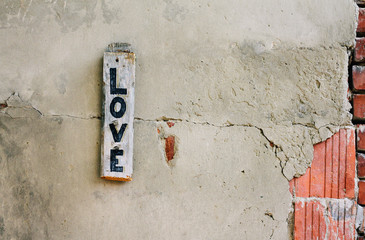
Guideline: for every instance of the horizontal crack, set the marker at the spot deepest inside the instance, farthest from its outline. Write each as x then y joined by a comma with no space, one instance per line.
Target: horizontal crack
165,119
274,146
72,116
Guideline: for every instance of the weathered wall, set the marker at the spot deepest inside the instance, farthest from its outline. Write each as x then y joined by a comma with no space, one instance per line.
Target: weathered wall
250,86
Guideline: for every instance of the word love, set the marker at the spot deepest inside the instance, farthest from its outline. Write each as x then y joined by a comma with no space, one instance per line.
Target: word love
119,81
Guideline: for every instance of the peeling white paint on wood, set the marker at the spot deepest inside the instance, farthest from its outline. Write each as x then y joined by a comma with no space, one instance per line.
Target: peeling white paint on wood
118,110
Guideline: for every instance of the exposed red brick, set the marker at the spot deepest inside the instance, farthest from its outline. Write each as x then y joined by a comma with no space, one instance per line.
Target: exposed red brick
361,165
291,187
359,106
170,124
333,170
358,77
299,220
302,184
312,220
350,163
361,196
308,220
170,147
361,137
361,22
359,50
342,164
335,165
318,171
3,105
328,174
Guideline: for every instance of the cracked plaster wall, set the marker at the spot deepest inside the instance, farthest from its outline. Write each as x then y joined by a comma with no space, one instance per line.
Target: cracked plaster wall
250,86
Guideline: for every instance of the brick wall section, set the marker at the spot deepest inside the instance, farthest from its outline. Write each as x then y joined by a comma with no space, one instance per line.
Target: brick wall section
333,170
326,204
316,219
324,197
357,83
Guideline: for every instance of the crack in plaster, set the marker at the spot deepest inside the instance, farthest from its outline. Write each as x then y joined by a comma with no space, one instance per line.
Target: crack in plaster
276,148
15,107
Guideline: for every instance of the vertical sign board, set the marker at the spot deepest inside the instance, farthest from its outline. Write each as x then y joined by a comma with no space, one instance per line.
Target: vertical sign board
118,108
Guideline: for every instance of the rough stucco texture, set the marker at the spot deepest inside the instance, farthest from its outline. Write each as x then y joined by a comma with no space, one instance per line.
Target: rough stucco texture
250,86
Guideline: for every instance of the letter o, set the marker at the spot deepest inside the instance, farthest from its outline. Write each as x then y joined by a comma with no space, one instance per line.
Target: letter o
122,109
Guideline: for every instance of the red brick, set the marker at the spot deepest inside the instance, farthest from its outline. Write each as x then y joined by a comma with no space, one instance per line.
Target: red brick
336,220
361,165
335,164
361,22
361,137
308,220
315,221
333,170
359,50
350,164
318,170
170,147
342,164
359,106
333,222
299,221
358,77
361,197
302,184
329,169
291,187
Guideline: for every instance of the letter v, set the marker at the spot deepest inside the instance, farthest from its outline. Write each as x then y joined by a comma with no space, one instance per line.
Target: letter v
118,135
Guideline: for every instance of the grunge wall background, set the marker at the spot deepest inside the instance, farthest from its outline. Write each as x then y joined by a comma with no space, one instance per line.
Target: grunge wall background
249,87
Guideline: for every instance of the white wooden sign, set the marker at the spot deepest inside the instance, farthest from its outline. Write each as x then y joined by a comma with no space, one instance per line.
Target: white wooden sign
118,109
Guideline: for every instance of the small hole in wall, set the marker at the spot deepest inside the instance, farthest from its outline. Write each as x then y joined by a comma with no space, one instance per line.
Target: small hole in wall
318,83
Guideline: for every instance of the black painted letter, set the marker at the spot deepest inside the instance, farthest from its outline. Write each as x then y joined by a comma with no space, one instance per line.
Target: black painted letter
114,160
117,135
122,109
113,83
